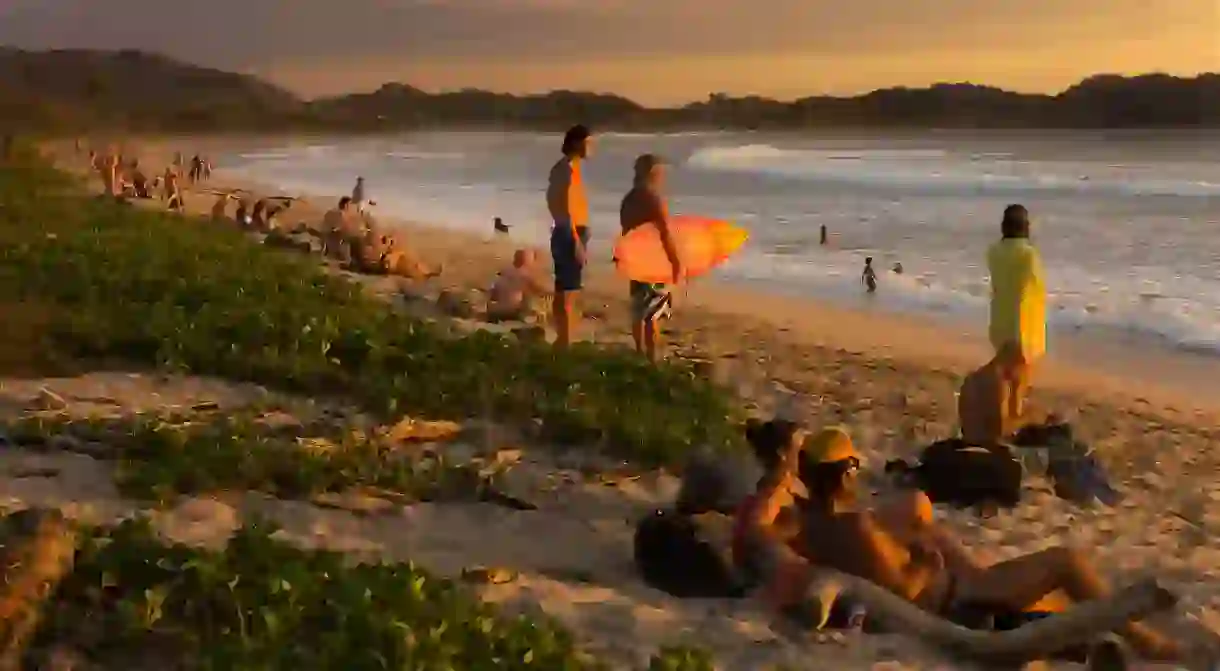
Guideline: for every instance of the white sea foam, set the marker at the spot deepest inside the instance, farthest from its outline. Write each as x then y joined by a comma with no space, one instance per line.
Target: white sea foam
938,170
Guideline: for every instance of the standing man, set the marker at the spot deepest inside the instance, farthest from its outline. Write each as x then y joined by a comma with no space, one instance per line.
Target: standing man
644,204
569,206
358,195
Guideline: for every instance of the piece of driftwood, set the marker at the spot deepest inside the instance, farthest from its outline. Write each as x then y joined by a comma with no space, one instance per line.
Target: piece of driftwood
39,547
1078,625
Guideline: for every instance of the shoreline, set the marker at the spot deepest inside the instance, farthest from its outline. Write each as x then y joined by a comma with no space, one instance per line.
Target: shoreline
1118,370
1113,367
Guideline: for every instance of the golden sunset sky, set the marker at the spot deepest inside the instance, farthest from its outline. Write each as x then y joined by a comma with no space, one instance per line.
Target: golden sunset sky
655,51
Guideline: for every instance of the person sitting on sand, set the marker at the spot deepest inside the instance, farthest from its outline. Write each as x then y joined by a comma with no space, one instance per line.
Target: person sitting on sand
258,221
340,230
242,215
768,546
982,406
139,181
644,205
271,218
1017,327
911,557
220,207
399,261
513,293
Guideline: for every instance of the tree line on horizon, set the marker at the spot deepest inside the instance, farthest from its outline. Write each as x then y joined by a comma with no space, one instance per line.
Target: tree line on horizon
83,90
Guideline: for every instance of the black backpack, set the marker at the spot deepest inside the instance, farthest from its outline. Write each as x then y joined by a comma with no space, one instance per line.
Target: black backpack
952,472
674,555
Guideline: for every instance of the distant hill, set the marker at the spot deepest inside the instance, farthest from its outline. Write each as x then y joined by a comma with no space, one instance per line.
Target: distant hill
73,90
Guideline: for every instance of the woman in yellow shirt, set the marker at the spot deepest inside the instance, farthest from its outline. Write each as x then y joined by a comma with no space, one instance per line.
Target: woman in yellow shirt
1018,309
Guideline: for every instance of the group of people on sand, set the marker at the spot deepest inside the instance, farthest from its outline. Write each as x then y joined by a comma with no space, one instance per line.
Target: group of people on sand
123,177
351,236
806,512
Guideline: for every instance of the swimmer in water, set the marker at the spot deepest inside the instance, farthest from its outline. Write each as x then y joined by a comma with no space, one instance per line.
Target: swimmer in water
869,276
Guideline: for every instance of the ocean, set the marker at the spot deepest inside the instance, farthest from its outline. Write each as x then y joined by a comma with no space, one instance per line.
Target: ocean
1128,222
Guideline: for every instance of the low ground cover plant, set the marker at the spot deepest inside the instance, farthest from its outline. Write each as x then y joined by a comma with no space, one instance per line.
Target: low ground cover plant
102,281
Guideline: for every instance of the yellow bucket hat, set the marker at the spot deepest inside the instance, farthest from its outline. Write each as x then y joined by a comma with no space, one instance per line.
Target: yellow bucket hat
829,445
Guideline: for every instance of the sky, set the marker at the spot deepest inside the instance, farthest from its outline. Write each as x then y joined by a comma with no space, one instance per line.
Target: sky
655,51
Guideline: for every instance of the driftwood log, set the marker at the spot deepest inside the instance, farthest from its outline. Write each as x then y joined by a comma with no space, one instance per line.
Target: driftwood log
38,551
1081,624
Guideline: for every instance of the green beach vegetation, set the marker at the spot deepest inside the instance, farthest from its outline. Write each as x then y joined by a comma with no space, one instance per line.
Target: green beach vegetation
88,283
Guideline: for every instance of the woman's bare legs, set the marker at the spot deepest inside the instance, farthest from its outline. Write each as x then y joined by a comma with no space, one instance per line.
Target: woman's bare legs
1046,581
1024,582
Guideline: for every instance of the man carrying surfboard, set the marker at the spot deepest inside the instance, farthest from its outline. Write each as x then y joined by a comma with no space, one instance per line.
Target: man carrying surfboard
644,204
569,207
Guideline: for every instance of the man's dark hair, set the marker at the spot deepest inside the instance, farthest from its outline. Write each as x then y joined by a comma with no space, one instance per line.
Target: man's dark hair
344,202
575,136
1015,223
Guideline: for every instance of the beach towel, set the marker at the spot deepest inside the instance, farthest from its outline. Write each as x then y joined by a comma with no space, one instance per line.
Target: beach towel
955,472
1018,297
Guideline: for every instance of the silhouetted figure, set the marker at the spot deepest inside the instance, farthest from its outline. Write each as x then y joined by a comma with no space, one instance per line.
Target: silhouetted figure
869,276
823,236
499,226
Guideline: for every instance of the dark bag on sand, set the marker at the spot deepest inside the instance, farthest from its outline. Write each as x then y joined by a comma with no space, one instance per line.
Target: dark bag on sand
673,553
950,471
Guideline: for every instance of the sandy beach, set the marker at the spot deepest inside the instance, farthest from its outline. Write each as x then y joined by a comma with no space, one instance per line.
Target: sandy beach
890,379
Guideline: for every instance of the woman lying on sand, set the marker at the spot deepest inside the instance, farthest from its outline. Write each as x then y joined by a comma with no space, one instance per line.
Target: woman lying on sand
901,548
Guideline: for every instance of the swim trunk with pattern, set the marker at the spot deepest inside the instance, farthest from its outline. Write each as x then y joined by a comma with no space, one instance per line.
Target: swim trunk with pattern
650,302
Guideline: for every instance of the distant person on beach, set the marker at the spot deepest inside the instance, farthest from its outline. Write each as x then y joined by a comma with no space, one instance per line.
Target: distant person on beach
568,204
110,173
1018,308
196,172
499,226
906,552
139,181
358,196
173,191
869,276
823,235
645,204
516,289
340,230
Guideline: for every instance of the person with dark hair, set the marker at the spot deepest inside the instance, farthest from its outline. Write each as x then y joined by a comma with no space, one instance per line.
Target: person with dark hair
902,550
1018,311
643,205
340,231
568,204
869,276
